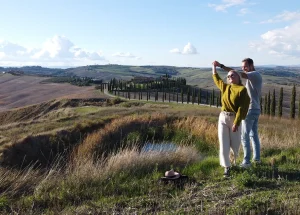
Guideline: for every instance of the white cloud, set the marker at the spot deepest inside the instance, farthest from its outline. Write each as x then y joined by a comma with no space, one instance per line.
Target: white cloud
10,49
58,50
283,17
56,47
125,55
226,4
187,49
281,42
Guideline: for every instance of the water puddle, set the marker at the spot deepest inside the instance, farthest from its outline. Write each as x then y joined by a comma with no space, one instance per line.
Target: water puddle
164,147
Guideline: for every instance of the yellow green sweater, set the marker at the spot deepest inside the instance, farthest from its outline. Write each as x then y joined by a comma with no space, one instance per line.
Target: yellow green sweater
234,99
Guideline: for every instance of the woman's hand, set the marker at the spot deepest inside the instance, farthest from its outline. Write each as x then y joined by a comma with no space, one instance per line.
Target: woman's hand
235,128
216,63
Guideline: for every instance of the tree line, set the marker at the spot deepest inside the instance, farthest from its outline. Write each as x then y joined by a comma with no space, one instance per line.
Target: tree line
272,106
164,88
167,89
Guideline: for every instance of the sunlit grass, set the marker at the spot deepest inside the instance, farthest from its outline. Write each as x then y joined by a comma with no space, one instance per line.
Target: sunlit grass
108,172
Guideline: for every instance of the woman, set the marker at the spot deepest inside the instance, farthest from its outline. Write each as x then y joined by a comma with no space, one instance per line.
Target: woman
235,103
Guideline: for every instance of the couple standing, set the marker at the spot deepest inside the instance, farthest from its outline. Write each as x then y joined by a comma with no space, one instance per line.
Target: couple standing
240,106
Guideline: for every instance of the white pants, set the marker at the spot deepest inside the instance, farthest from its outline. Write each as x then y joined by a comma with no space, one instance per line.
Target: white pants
227,138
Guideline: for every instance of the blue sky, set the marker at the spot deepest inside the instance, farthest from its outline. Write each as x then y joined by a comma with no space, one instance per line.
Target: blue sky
150,32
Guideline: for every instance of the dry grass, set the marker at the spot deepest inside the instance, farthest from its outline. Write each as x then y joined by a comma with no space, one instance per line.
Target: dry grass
132,160
14,183
124,179
110,138
279,133
199,127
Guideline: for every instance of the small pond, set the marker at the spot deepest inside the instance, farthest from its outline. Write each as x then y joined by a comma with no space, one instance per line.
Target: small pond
166,147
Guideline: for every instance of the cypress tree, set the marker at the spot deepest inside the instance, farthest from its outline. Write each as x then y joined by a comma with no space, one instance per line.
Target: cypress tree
193,96
188,95
207,98
273,103
280,101
177,96
165,90
266,104
173,94
293,103
269,103
182,95
134,91
213,97
199,96
211,100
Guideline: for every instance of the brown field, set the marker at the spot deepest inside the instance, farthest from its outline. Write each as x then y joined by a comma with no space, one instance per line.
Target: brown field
19,91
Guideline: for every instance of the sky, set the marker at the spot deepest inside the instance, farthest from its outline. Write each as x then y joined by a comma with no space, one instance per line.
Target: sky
190,33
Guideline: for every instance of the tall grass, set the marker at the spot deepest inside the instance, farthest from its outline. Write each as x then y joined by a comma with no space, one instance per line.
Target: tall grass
87,180
109,139
109,173
280,133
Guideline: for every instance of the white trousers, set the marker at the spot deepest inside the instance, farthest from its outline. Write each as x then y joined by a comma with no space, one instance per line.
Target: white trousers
227,138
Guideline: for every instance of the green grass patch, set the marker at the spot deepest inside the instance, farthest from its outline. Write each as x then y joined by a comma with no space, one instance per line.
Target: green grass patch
3,202
205,169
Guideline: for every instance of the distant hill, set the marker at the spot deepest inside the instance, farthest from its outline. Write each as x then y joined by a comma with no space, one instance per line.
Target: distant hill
284,75
19,91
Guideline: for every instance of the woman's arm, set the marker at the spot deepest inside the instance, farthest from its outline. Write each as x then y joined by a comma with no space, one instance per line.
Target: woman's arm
218,81
214,70
222,66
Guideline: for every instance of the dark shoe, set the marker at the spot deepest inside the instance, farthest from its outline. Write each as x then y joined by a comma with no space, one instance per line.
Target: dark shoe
226,172
257,162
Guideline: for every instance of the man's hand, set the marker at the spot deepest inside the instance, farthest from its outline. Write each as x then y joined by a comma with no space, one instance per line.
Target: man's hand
244,75
235,128
216,63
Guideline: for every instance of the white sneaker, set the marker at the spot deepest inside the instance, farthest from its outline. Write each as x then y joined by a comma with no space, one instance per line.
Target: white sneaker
245,165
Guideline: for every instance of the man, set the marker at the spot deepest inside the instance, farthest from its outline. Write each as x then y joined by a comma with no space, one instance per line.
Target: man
250,124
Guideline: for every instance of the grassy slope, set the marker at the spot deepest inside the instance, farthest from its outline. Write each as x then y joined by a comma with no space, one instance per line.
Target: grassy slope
128,181
130,184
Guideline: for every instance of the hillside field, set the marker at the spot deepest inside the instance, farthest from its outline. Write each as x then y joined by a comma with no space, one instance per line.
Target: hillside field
66,149
19,91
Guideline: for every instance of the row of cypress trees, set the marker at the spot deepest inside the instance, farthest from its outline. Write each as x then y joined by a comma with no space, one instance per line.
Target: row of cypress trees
271,104
177,90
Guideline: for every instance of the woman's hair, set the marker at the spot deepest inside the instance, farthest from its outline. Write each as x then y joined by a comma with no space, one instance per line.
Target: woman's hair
236,73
